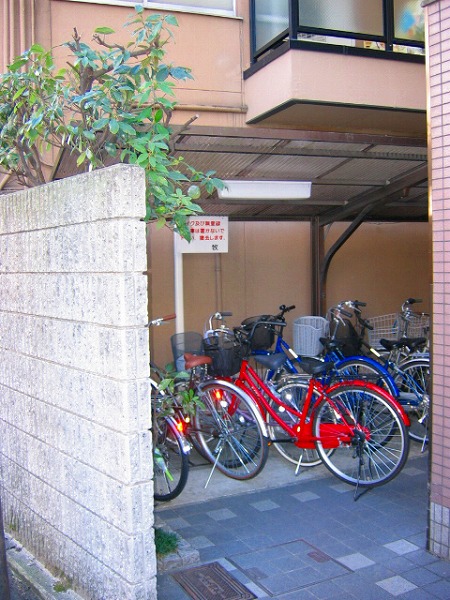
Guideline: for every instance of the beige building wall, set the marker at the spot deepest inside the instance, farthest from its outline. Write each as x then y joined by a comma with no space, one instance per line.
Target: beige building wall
269,264
216,92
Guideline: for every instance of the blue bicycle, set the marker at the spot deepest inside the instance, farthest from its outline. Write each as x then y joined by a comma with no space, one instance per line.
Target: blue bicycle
408,381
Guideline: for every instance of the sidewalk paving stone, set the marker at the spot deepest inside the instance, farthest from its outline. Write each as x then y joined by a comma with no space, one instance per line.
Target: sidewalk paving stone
307,538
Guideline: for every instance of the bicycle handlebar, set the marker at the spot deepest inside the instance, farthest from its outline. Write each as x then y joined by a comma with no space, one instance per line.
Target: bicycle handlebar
409,302
161,320
218,316
338,312
285,309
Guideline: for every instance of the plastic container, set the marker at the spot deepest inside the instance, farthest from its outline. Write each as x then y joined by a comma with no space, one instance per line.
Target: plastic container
307,334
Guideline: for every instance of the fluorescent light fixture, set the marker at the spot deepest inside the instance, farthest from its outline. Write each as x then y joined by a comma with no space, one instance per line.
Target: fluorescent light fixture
265,190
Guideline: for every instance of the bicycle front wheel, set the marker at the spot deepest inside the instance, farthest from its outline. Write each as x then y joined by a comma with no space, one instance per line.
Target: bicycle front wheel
170,460
365,430
293,394
229,430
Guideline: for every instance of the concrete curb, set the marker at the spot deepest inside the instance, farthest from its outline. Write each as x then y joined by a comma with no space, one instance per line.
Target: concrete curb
27,568
42,582
184,556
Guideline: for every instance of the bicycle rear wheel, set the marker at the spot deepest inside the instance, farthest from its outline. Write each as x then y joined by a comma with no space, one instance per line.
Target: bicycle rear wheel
229,430
170,460
414,383
367,370
367,433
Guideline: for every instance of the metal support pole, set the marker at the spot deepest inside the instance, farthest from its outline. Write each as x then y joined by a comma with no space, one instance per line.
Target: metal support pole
317,250
179,291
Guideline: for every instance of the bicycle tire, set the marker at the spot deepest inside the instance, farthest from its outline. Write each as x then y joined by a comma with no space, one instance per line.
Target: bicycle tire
374,449
229,430
415,385
360,368
293,393
180,386
170,460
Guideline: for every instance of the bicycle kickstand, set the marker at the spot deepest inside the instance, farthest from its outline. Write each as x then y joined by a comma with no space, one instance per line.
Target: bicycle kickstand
359,454
213,467
299,464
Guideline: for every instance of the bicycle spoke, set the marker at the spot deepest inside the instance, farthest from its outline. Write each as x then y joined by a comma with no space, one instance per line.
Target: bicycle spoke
292,394
229,432
413,380
376,450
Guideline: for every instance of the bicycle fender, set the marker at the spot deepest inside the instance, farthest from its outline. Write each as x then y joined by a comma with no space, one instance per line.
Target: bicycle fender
239,391
375,388
417,357
186,447
376,365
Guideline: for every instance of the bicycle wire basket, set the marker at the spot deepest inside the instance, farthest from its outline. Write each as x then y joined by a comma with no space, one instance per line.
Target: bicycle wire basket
418,325
307,334
225,351
260,335
188,342
392,327
384,327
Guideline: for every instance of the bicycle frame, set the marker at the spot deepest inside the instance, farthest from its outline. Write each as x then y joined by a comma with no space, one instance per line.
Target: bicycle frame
386,367
249,381
291,363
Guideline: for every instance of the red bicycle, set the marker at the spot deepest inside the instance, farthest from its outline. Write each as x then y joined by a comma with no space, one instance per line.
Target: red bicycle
356,428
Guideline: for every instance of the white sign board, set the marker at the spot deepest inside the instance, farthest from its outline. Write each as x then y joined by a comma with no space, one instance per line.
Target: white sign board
208,234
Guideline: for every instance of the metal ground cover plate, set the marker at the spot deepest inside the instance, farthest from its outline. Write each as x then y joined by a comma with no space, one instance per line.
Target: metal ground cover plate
212,582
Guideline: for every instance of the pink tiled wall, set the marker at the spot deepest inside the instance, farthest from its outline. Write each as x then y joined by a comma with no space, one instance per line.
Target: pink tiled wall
438,51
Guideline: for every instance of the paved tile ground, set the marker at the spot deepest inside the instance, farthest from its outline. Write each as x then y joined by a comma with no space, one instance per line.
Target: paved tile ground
311,540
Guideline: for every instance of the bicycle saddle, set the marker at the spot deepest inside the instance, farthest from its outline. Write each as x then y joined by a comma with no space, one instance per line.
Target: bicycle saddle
192,360
410,343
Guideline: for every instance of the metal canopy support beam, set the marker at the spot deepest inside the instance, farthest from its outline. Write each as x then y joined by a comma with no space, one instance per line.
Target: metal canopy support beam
366,203
377,197
295,134
325,264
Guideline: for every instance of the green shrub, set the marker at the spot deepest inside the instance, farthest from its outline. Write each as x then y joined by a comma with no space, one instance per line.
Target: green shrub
166,542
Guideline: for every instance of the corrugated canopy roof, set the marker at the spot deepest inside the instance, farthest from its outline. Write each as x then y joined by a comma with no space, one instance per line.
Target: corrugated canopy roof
384,176
380,177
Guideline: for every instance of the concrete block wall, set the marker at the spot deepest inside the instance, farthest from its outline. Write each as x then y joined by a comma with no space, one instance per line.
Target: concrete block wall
438,51
75,446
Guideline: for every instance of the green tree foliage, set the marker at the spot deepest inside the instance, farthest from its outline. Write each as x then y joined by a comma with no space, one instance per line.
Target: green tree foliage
113,103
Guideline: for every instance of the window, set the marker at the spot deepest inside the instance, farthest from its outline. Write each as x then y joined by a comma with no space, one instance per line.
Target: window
409,20
384,26
271,19
342,15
